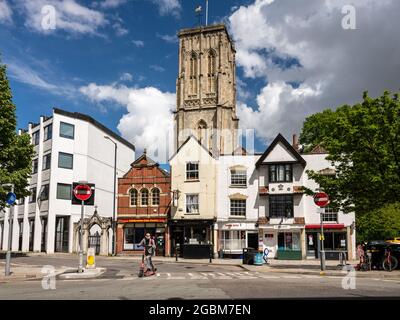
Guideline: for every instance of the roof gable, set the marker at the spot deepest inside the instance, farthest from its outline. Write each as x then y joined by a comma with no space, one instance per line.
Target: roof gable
280,150
193,138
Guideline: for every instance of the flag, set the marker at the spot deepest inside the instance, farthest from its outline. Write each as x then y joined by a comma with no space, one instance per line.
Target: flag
198,9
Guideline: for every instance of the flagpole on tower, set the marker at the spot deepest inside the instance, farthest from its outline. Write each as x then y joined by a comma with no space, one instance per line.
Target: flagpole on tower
206,12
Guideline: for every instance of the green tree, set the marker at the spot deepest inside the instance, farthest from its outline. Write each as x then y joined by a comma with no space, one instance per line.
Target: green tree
16,151
363,142
379,224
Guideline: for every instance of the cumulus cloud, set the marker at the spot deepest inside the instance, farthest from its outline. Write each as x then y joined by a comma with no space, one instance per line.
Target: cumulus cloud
126,76
71,16
157,68
148,119
5,12
138,43
107,4
333,65
168,38
168,7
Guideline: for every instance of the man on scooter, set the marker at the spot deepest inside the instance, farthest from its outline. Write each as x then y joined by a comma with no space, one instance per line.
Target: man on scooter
149,248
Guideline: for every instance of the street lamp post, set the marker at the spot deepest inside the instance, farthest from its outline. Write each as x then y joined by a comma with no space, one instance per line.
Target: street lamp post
114,198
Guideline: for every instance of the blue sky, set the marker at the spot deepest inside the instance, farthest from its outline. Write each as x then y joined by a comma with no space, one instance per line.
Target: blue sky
116,60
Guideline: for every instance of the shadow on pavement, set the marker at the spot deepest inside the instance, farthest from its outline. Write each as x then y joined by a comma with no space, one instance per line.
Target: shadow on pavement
13,255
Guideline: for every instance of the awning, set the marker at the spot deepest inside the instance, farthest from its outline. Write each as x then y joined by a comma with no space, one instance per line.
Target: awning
326,226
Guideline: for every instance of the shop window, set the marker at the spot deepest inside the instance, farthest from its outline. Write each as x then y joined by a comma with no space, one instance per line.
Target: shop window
289,241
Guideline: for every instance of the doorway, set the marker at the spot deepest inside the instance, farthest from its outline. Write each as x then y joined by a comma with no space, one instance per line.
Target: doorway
312,245
252,240
177,238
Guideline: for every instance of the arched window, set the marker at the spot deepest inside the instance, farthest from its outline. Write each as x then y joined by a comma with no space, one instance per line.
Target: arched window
211,63
193,73
155,197
202,131
144,197
133,195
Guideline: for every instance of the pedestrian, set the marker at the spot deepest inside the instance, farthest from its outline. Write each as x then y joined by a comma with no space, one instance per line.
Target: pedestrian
149,249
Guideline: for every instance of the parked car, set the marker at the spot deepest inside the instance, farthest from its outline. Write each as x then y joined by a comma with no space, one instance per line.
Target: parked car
377,251
393,240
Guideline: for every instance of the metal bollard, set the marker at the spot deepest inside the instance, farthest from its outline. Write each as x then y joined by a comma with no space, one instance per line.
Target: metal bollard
211,253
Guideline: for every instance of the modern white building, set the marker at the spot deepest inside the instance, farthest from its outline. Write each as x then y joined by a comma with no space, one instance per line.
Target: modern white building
69,148
237,203
289,221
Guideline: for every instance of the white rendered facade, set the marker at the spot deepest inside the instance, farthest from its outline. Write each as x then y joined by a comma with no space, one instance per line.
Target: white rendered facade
82,154
238,231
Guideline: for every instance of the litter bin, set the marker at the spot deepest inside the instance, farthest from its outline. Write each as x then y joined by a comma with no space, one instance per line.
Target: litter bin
248,255
258,259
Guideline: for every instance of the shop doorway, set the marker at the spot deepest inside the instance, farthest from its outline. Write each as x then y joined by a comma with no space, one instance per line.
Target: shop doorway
312,245
252,240
177,238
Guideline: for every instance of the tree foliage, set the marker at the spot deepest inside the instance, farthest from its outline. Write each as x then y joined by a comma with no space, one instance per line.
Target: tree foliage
379,224
363,142
16,151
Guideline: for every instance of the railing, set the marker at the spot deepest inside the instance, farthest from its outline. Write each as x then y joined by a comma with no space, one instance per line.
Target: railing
232,244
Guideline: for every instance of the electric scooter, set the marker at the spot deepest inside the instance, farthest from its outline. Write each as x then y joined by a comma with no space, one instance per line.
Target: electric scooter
143,272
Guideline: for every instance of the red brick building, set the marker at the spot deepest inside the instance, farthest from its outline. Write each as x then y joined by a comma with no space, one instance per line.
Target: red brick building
143,206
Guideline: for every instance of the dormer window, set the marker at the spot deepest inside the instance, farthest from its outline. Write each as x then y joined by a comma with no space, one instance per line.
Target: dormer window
281,172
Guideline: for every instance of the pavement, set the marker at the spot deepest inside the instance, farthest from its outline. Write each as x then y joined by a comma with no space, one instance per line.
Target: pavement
187,279
28,266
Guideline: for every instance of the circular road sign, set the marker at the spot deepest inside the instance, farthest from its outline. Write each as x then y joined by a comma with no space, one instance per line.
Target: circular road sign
83,192
321,199
11,198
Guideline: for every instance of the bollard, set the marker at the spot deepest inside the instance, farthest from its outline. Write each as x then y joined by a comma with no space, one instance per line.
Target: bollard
211,253
176,253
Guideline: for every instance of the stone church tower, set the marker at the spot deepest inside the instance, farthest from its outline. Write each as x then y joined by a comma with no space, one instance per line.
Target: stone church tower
206,89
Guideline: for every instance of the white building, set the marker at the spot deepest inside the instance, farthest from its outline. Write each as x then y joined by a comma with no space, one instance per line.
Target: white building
237,203
289,221
69,147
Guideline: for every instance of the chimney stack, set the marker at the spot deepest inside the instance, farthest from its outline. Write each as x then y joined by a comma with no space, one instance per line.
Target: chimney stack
295,142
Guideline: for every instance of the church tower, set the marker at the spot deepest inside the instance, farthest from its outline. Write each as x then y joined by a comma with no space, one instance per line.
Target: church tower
206,89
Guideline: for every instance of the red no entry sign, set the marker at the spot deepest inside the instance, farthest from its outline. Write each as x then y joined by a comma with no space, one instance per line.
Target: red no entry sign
321,199
83,192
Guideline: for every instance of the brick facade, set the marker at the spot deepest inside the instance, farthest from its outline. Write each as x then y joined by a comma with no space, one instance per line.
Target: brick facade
144,196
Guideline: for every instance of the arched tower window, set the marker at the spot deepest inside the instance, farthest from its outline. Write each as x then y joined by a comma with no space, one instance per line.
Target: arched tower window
211,71
144,197
155,197
202,131
193,73
133,196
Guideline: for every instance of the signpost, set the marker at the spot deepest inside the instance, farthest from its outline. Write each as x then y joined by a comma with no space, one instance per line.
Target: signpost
10,200
321,199
82,192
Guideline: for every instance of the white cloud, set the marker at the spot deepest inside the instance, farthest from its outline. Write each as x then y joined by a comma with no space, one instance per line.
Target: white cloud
5,12
120,30
168,7
126,76
71,16
168,38
21,72
138,43
335,65
107,4
157,68
148,121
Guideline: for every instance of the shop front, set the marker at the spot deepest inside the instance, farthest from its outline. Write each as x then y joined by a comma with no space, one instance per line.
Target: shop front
192,238
283,242
335,241
233,237
132,231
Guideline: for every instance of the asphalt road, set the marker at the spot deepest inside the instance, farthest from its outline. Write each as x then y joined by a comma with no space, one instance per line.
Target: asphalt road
190,281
